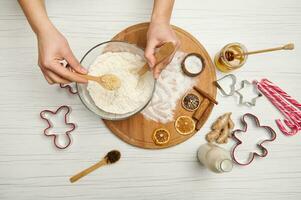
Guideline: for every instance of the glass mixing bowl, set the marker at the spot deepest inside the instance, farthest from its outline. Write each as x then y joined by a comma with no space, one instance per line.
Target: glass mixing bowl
87,61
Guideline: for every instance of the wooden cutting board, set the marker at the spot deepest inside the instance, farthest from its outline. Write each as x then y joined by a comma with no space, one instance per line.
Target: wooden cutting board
137,130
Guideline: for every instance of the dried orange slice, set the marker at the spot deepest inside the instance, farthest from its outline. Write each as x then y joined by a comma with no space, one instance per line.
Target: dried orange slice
161,136
190,102
184,125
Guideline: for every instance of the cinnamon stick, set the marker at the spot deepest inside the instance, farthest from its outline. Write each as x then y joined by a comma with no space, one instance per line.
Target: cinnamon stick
199,112
202,119
205,94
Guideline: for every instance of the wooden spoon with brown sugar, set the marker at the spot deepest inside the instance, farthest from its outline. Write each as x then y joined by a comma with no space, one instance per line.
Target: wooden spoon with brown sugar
111,157
108,81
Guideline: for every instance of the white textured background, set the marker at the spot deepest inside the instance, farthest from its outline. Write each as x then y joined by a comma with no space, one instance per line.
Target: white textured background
30,168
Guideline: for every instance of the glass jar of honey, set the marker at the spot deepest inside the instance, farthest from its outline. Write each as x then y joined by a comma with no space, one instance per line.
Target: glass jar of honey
231,57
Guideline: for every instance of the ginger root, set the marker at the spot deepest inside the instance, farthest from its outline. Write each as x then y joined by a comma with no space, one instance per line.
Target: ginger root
212,135
221,129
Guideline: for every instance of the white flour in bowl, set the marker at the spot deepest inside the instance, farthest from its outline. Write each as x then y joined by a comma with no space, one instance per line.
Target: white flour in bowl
171,85
132,94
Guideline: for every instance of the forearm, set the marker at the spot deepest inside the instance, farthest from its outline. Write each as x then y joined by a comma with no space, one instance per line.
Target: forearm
162,11
36,15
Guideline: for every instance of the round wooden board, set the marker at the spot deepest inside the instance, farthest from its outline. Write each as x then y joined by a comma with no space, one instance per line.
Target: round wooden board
137,130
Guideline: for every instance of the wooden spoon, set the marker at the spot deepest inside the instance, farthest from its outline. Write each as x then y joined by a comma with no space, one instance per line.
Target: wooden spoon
111,157
108,81
164,52
231,55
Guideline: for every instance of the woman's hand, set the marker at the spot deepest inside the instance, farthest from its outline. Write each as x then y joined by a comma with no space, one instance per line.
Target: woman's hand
53,49
157,35
160,32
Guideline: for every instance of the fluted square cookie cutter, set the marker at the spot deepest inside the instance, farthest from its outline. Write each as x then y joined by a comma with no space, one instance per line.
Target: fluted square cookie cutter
50,125
233,90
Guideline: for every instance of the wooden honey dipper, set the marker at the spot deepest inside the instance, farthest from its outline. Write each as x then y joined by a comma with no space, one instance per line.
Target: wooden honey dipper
230,55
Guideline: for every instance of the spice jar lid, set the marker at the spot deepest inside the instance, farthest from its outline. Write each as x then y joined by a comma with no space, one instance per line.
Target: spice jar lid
193,64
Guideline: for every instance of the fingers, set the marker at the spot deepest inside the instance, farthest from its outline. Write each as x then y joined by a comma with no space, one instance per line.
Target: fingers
73,62
150,50
55,78
177,44
149,53
52,78
63,72
57,73
162,65
47,78
158,69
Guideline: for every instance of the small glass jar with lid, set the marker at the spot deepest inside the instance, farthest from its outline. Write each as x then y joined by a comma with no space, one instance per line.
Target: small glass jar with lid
231,57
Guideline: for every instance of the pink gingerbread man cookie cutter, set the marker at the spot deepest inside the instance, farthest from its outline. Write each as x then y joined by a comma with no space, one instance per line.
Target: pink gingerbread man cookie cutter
69,88
53,135
264,151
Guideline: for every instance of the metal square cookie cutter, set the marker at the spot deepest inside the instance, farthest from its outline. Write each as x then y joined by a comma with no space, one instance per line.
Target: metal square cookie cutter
233,90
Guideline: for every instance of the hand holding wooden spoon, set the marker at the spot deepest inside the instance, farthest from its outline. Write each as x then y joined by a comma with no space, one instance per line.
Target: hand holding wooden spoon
165,51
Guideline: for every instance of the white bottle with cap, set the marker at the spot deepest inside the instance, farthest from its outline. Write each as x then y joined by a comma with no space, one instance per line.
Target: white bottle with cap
215,158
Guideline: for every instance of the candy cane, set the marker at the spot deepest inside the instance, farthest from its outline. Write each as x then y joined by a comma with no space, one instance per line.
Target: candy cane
274,100
287,106
282,93
292,122
284,106
293,127
289,111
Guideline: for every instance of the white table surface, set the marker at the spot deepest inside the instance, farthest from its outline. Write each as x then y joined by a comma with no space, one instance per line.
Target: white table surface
31,168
